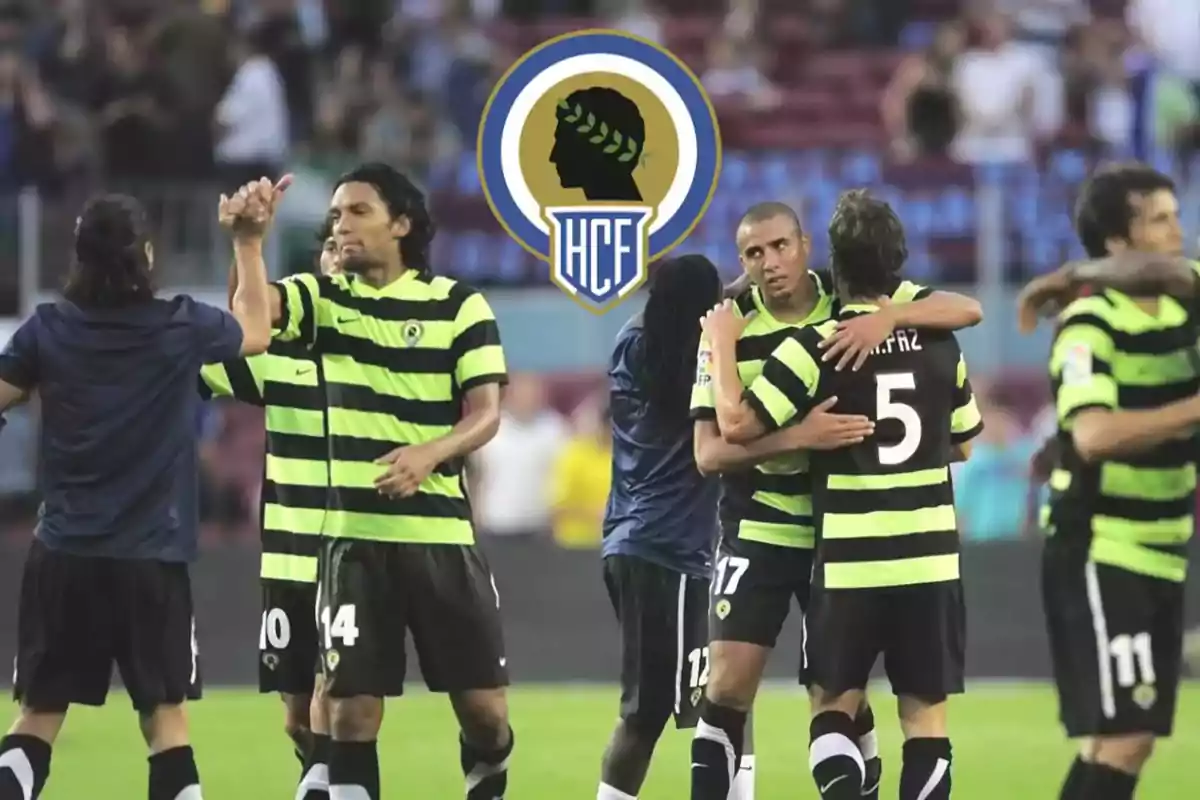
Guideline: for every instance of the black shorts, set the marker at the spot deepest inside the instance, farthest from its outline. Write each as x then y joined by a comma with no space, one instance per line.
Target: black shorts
663,616
78,615
920,631
1116,640
753,587
287,639
370,593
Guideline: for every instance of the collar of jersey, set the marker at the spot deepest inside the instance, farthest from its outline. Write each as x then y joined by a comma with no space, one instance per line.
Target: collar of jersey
393,289
1170,312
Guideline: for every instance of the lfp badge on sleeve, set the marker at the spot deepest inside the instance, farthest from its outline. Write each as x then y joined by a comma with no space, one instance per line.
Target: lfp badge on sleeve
599,152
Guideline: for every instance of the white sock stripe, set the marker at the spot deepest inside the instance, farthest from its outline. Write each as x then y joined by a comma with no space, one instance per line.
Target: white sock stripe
342,791
868,745
315,780
482,771
835,745
607,792
715,734
22,770
743,784
190,793
939,771
747,762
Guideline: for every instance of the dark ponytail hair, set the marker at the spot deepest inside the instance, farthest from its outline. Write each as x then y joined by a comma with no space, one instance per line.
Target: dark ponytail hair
402,198
111,267
681,291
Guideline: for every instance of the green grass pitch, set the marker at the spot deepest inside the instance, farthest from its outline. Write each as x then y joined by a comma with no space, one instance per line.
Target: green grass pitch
1006,744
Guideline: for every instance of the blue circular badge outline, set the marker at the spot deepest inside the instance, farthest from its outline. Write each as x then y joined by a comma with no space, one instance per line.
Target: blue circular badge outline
553,51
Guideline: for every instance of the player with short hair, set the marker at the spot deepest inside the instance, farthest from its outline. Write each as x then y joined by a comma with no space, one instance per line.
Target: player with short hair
1121,511
886,573
289,385
765,556
413,368
106,577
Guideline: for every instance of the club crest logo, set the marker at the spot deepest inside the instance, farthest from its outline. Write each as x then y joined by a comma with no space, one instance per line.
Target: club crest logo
599,152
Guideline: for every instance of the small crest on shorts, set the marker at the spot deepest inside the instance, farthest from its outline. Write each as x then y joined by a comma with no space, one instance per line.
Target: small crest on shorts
1077,364
332,659
271,661
1145,696
412,332
723,608
697,693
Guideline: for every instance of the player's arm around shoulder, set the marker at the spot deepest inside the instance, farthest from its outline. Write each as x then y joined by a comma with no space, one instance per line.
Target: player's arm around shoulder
965,421
298,302
19,364
782,393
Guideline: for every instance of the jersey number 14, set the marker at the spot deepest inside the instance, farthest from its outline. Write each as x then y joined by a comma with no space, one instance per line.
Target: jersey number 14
886,407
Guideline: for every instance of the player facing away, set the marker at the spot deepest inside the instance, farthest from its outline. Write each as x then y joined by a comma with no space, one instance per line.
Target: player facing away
413,369
765,556
289,385
886,573
1121,509
106,577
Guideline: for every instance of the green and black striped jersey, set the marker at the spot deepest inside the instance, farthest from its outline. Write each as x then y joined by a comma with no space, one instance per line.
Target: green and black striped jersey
883,509
397,363
771,503
286,383
1135,512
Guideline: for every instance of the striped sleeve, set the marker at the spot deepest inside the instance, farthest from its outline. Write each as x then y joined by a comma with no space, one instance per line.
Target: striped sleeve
241,379
703,403
908,291
1081,366
788,384
966,422
301,296
478,356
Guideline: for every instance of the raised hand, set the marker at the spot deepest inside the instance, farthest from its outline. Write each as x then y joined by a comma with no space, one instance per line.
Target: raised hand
249,212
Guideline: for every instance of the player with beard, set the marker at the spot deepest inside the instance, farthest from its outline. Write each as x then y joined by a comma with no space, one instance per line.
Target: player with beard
289,385
413,369
765,556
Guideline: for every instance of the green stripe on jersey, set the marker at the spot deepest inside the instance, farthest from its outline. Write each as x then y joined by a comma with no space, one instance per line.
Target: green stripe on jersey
884,509
772,503
1135,512
286,382
397,362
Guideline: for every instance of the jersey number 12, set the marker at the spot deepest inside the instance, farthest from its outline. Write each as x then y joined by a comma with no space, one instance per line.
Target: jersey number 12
888,408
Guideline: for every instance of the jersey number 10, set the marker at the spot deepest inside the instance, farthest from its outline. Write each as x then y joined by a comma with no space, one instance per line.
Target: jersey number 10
888,408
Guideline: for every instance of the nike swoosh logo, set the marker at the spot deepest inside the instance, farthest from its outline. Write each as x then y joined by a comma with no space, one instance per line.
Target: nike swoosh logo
825,788
348,319
697,766
304,370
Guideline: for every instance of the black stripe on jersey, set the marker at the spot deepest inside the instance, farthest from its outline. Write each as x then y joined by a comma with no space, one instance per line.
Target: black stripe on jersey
369,501
796,484
483,333
391,309
759,348
293,349
291,544
905,498
1133,397
704,412
418,412
1143,510
745,301
293,395
1147,343
298,497
888,548
352,448
415,360
966,436
308,323
298,446
241,382
479,380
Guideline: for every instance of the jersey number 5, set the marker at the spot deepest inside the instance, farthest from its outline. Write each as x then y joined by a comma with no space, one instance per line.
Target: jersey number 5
888,408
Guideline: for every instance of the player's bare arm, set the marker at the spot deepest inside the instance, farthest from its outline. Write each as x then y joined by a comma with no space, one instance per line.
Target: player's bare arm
1132,272
819,430
1100,433
736,421
408,466
247,216
854,339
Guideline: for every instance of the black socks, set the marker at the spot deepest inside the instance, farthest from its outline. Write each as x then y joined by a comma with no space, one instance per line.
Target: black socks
353,771
486,771
173,775
24,767
834,758
716,750
868,745
926,771
1102,782
314,783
